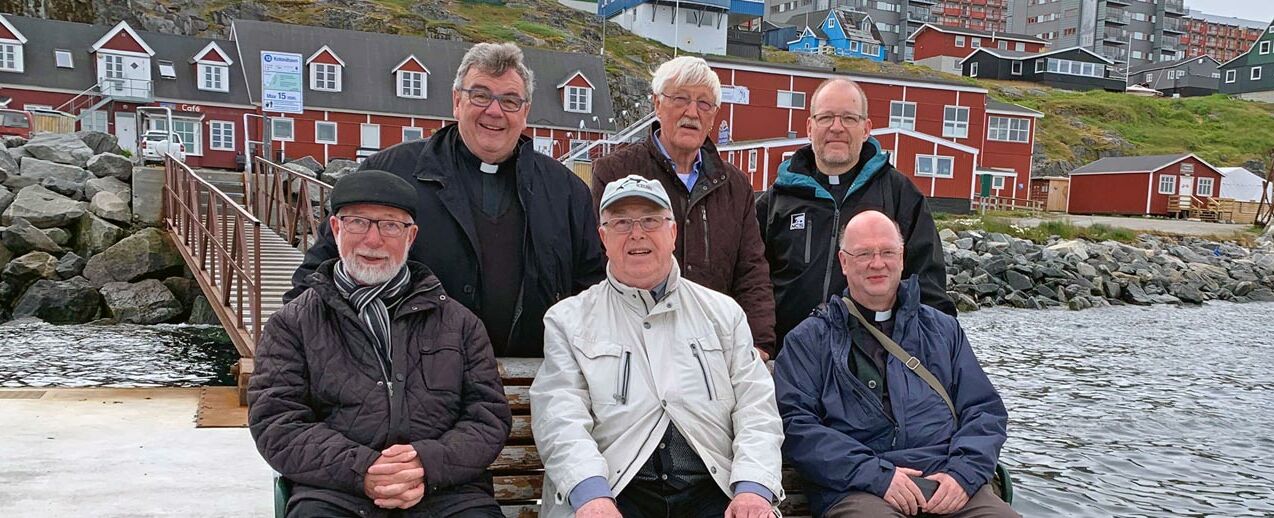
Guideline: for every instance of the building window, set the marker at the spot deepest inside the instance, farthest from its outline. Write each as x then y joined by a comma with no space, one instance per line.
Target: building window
579,99
1231,75
1003,45
1076,68
221,136
902,114
1008,129
1150,76
960,41
1016,68
1205,187
63,58
325,132
1019,46
789,99
1264,48
187,129
955,122
325,77
411,84
751,160
973,69
213,78
10,57
413,133
1168,184
114,65
281,129
935,166
976,43
997,182
1256,74
95,121
1039,65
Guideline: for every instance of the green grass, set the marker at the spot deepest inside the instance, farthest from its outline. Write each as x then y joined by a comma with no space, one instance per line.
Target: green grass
997,223
538,30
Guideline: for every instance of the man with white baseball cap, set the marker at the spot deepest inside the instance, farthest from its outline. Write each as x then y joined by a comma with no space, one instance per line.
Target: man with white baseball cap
651,400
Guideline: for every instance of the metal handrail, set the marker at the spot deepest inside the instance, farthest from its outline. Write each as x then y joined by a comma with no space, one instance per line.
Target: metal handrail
629,134
88,93
286,201
221,242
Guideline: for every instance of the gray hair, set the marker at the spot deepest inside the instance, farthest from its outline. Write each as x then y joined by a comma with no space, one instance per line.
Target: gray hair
494,59
862,96
686,71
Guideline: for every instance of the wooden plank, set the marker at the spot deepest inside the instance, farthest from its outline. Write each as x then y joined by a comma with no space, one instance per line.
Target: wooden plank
516,459
519,399
518,487
521,433
518,371
521,510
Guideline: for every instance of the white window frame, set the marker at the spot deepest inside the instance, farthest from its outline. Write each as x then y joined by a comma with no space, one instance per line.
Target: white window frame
1231,76
752,160
1255,74
68,62
1168,184
11,57
973,69
791,97
113,65
336,137
406,86
933,161
975,43
1019,47
414,129
326,84
1204,186
1039,65
1008,129
167,70
577,99
276,123
1263,47
221,135
902,120
96,120
952,126
959,42
214,78
1016,68
997,182
193,139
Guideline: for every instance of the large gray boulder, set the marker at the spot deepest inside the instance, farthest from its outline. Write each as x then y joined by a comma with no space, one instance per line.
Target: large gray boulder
22,237
73,301
8,166
310,163
108,184
337,169
110,164
29,268
94,235
58,235
6,255
66,180
100,142
12,141
43,208
6,196
17,153
184,290
140,255
201,313
70,265
110,207
145,302
63,148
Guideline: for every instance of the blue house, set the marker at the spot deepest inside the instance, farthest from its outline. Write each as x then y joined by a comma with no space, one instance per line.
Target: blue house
841,32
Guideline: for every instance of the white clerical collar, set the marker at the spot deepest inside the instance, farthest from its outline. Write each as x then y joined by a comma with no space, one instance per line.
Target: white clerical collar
884,316
833,179
489,168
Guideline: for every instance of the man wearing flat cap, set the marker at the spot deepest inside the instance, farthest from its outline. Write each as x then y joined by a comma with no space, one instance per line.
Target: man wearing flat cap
651,400
375,393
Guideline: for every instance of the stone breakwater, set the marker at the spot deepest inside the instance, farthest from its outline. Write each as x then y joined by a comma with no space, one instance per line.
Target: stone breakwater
992,269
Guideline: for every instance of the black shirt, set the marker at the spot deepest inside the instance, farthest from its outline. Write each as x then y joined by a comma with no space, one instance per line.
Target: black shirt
868,355
500,224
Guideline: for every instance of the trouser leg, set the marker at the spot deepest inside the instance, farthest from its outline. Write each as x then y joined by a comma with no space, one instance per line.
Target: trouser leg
984,504
309,508
863,505
642,500
703,500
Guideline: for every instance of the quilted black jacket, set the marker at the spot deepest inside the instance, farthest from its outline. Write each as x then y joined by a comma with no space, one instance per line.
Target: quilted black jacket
320,409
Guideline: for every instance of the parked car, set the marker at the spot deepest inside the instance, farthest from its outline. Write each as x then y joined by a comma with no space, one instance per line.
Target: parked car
157,143
15,122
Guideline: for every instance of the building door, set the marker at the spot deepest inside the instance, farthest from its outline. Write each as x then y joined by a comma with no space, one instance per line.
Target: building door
1058,192
1186,186
126,131
544,145
369,136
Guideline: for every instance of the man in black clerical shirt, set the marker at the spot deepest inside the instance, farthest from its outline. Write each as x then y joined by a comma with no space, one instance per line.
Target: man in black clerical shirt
507,231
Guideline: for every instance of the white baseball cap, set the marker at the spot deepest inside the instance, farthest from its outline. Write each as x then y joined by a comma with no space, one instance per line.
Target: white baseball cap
634,185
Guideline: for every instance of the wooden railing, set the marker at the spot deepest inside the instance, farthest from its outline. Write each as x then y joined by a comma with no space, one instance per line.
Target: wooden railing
1205,209
1006,203
221,242
290,203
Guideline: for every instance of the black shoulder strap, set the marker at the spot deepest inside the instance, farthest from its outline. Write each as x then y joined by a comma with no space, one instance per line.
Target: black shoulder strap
907,359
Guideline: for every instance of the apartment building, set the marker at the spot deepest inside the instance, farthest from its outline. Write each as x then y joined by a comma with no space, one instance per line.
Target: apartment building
1128,32
1220,37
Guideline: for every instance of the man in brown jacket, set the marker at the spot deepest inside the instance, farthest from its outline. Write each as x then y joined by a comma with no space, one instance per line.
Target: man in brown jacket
375,393
718,240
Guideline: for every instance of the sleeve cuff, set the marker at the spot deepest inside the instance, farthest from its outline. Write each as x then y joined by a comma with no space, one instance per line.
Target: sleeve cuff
589,489
744,486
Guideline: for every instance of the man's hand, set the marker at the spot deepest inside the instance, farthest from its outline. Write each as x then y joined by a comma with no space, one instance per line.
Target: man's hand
949,498
598,508
903,494
765,357
396,479
749,505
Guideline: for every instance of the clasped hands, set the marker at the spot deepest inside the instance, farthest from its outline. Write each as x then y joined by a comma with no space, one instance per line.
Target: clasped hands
397,479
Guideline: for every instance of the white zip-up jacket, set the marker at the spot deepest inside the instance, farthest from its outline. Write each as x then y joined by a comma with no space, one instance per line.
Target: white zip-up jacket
619,366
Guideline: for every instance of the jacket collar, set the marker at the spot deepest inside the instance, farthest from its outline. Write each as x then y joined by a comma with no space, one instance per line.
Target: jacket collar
712,170
797,172
640,299
425,290
434,162
837,315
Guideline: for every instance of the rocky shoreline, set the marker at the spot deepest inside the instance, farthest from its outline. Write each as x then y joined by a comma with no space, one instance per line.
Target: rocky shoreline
992,269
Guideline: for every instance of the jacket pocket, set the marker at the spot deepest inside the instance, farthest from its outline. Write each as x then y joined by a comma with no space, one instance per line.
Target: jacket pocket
607,369
443,368
714,375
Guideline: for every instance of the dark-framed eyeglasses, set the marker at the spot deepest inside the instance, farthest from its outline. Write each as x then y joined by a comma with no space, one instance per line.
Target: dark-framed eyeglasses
866,256
681,101
361,225
825,120
482,98
625,225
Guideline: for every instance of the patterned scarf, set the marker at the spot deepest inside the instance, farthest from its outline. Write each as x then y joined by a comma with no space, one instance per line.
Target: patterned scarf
370,302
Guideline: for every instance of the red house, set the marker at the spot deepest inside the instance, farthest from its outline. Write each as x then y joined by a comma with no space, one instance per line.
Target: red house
941,47
1140,184
1007,147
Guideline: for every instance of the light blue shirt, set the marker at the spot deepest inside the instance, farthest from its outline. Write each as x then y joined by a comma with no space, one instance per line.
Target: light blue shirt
690,179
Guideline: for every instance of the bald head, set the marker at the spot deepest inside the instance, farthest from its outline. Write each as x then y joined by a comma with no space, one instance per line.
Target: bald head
871,258
870,225
838,83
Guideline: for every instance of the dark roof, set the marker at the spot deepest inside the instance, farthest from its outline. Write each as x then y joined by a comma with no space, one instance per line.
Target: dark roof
1159,65
1127,164
992,104
368,85
1015,55
887,78
985,34
43,36
846,17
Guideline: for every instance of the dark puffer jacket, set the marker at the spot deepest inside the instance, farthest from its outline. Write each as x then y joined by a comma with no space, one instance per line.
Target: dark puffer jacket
321,411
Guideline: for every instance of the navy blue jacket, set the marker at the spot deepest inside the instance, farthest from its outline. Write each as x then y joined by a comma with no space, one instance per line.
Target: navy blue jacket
837,434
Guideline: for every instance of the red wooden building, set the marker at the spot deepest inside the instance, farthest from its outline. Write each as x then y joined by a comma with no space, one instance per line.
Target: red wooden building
941,47
1140,184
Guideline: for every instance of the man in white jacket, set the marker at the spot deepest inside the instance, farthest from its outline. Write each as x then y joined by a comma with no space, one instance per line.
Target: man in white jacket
651,401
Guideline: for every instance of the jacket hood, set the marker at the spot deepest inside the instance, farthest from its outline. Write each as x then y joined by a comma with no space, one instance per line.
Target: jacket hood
796,172
837,316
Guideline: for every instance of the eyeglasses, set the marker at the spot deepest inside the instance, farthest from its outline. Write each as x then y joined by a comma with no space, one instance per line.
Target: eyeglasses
625,225
361,225
482,98
825,120
866,256
681,101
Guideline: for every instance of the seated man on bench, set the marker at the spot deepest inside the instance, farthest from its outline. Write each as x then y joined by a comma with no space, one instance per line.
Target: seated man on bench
375,391
882,396
652,401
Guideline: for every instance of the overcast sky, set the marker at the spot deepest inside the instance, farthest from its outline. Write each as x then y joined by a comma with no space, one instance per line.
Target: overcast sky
1260,10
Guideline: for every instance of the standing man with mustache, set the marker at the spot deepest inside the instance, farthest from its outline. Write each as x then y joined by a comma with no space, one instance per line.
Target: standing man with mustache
841,173
718,245
507,230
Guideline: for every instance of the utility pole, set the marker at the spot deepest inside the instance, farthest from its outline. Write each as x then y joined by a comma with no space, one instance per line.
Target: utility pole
1265,209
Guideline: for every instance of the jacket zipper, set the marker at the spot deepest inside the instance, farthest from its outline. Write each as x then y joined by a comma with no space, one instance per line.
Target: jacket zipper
707,382
707,249
827,274
628,367
809,237
389,382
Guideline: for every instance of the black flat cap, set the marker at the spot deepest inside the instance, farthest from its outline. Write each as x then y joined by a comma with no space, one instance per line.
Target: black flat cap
374,187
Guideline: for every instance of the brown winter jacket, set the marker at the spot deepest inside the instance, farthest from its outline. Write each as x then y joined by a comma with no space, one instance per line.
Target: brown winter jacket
321,411
718,240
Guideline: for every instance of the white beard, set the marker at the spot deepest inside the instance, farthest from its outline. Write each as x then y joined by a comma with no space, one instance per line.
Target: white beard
368,275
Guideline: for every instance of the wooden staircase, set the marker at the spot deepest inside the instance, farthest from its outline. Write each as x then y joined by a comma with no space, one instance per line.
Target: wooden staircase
1215,210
